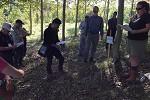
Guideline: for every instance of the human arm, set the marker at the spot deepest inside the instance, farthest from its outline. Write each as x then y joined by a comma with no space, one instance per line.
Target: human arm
9,70
8,48
146,29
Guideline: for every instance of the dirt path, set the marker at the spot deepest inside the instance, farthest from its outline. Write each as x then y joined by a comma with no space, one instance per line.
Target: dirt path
85,81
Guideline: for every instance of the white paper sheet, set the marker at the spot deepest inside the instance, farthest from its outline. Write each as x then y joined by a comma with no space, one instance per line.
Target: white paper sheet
19,44
61,42
109,40
126,27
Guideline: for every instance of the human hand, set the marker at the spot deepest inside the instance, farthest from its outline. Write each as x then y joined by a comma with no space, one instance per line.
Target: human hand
8,83
56,46
14,46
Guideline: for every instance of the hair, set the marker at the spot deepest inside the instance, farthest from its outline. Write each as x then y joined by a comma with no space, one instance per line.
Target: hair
96,7
86,16
115,12
144,4
56,21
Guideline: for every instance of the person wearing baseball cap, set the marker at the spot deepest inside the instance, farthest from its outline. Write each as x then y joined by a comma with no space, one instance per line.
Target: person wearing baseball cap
7,26
18,36
6,43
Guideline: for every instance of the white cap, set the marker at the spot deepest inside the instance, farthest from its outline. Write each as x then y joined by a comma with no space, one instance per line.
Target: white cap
7,26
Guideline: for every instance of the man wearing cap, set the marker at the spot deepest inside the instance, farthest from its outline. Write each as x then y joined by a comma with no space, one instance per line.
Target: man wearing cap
6,43
18,35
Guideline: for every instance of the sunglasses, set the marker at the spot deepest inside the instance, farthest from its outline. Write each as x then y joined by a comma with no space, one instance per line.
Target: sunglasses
139,8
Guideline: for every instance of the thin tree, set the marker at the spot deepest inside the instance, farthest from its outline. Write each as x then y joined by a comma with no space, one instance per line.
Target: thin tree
85,7
41,19
57,9
116,54
63,26
76,17
30,18
107,13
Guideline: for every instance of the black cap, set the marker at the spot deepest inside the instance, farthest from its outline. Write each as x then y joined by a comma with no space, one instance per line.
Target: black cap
19,21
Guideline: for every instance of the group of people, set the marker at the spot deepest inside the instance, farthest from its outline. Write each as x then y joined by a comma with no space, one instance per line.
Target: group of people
136,40
12,51
10,38
92,29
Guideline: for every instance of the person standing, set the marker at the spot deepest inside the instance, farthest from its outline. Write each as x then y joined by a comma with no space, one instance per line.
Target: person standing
18,35
50,40
82,27
137,38
7,45
112,23
94,26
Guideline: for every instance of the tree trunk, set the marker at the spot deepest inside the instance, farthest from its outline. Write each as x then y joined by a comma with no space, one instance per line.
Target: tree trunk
41,19
85,8
57,8
116,46
63,26
131,12
107,13
76,17
30,19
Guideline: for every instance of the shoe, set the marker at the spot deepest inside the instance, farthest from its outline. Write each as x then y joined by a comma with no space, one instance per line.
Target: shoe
51,78
132,77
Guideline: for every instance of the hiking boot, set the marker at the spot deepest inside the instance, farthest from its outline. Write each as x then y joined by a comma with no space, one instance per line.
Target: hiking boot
132,77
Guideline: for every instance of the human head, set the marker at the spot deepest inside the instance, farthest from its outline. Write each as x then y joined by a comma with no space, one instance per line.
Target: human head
142,7
95,10
56,23
114,14
19,23
6,28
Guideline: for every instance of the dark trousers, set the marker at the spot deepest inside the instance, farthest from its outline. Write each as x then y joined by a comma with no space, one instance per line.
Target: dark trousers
113,33
19,53
54,52
25,46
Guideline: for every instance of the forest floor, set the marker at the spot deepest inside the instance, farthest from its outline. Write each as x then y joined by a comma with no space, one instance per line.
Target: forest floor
84,81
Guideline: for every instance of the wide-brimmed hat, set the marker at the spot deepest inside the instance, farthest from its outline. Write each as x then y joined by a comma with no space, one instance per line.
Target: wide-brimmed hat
7,26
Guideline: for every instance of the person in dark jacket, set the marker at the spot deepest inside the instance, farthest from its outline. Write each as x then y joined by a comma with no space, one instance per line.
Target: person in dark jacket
112,23
50,40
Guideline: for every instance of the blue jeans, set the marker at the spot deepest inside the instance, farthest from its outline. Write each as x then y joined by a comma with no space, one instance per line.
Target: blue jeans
82,44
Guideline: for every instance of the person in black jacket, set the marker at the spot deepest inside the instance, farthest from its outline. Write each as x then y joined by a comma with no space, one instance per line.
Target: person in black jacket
50,40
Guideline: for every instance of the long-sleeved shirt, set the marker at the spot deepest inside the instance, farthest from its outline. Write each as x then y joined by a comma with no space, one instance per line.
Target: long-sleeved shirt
82,27
112,23
18,34
50,36
95,24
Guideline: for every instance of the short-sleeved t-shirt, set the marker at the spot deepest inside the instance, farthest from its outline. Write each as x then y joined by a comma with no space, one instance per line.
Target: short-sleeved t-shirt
3,64
139,23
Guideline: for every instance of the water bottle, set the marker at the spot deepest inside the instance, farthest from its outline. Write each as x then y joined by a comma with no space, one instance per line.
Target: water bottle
145,77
